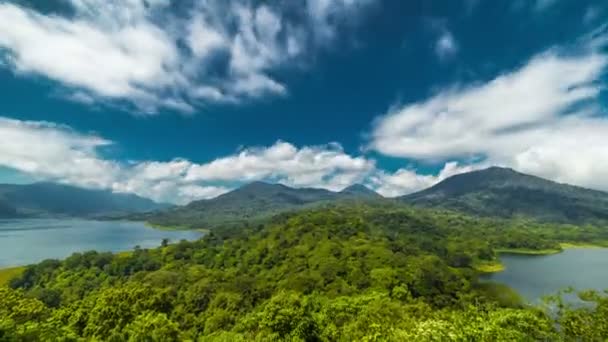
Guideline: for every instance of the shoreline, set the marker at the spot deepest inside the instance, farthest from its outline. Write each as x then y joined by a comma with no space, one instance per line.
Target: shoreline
175,228
497,266
574,245
524,251
563,246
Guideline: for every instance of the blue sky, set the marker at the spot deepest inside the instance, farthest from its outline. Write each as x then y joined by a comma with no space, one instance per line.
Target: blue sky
184,100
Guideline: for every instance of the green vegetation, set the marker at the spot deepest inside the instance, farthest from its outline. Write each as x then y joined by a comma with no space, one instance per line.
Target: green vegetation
170,228
499,192
339,273
253,203
597,244
9,273
494,192
527,251
489,266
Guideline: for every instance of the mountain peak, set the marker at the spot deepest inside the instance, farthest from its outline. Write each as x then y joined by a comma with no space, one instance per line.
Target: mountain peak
504,192
498,169
359,189
260,185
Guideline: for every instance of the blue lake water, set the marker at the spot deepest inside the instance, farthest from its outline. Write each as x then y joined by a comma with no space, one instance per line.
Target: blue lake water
536,276
25,242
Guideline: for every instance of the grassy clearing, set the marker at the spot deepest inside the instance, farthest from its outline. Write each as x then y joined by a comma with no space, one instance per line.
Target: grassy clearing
173,228
528,251
124,254
567,245
564,245
489,266
9,273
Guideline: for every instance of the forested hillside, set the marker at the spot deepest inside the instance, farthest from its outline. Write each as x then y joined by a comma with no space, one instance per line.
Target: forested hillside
502,192
58,200
340,273
252,202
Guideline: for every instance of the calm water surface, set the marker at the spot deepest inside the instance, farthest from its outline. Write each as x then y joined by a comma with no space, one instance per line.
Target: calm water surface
537,276
25,242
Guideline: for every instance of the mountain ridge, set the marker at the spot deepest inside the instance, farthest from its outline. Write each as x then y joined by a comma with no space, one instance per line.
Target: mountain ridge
504,192
251,202
46,199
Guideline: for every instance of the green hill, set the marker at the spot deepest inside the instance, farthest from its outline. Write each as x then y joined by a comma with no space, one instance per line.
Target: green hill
50,200
504,192
252,202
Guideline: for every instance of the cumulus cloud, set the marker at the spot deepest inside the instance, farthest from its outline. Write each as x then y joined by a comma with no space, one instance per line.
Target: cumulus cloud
543,118
317,166
406,181
47,151
153,56
54,152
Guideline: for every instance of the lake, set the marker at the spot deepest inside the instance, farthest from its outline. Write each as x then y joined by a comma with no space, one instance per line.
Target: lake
536,276
24,242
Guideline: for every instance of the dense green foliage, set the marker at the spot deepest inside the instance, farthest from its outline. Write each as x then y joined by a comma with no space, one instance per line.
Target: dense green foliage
340,273
253,202
502,192
51,200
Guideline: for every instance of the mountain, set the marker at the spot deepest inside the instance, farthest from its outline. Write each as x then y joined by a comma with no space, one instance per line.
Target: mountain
504,192
360,190
253,201
50,199
7,211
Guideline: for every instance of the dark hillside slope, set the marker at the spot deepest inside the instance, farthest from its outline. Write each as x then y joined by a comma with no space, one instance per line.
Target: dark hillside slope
50,199
504,192
7,211
358,190
253,201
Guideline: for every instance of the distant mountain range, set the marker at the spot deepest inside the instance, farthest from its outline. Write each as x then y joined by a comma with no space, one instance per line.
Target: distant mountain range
56,200
503,192
494,192
252,202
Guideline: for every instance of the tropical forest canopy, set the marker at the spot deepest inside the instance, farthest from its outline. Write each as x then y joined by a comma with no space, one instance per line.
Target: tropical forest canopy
367,272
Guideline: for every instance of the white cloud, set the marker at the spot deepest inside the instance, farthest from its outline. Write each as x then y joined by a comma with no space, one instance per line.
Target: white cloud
543,118
54,152
82,54
134,50
406,181
203,39
317,166
47,151
324,14
446,46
